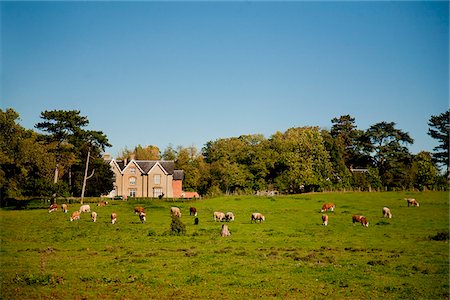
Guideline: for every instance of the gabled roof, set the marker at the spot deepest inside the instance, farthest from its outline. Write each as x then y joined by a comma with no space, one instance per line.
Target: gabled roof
145,166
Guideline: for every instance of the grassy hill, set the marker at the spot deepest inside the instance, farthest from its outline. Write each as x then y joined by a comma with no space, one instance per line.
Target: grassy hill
290,255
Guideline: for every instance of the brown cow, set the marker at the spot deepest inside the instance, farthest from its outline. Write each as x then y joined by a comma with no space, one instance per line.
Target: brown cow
325,220
75,216
142,216
192,211
138,210
412,202
53,207
327,207
360,219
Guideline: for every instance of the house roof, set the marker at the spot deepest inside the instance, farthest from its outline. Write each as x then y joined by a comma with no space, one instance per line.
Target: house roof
145,166
178,175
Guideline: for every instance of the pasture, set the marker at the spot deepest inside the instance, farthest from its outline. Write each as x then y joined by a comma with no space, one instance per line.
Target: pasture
288,256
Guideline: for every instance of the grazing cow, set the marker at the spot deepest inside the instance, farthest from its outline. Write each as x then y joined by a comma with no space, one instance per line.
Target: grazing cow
225,231
142,216
229,216
196,221
65,208
325,220
412,202
138,210
218,216
113,218
102,203
94,216
192,211
386,212
327,207
175,211
360,219
75,216
53,207
257,217
85,208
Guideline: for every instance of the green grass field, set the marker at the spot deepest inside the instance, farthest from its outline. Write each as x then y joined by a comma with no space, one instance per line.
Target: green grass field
289,256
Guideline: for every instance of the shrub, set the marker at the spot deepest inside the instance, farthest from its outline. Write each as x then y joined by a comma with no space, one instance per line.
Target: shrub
440,236
177,227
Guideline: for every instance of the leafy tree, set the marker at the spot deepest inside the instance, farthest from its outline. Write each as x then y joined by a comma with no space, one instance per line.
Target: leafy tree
342,176
141,153
69,139
60,126
386,144
190,160
302,161
24,162
349,141
425,171
440,130
170,153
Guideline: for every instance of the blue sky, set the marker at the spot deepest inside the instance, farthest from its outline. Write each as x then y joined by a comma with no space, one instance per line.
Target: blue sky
185,73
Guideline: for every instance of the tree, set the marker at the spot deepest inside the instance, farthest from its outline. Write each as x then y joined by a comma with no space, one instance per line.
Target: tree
342,176
440,130
60,126
74,147
386,144
348,140
425,171
141,153
25,168
302,161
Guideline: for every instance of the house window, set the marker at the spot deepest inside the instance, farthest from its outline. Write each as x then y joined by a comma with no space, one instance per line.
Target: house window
132,180
157,179
132,192
157,192
133,170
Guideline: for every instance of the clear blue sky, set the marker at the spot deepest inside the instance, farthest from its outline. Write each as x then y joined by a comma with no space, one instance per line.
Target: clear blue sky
185,73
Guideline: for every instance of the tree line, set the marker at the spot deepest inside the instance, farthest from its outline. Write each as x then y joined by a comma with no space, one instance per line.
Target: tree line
59,158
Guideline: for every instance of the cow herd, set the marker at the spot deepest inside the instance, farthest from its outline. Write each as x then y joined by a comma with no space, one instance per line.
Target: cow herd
362,219
217,215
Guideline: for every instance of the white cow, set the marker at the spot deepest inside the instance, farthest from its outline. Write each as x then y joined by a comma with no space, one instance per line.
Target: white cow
94,216
257,217
386,212
85,208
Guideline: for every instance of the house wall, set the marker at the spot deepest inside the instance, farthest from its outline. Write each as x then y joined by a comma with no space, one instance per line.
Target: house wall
143,185
164,183
177,188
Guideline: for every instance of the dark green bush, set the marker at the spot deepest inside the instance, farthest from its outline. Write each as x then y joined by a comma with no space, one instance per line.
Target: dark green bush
440,236
177,227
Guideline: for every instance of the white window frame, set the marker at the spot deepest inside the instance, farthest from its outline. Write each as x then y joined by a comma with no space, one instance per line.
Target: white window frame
132,193
132,180
157,179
